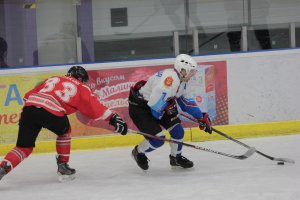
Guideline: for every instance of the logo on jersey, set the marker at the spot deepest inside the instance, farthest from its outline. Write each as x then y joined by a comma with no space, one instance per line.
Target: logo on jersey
168,81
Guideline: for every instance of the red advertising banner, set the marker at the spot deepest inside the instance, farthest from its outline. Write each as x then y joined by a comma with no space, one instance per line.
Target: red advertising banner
113,85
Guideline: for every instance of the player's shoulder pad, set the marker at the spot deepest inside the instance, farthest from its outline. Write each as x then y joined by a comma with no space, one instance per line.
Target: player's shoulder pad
87,87
170,79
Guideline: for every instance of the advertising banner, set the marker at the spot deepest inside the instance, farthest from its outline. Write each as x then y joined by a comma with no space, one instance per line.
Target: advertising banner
112,85
12,91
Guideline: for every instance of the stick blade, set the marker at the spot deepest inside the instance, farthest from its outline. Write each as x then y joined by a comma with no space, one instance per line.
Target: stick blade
285,160
249,153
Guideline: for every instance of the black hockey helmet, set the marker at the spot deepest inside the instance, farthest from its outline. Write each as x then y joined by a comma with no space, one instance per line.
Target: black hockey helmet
79,73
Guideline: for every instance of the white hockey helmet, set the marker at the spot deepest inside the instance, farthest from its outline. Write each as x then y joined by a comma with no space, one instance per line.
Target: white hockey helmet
186,62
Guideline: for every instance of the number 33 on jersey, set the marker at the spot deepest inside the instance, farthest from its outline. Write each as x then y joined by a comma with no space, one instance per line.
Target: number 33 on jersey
65,95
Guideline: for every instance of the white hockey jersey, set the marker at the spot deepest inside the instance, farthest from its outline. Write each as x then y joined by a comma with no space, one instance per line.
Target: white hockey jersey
165,85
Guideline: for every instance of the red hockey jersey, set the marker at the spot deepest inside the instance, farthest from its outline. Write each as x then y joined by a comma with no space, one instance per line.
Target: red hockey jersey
64,95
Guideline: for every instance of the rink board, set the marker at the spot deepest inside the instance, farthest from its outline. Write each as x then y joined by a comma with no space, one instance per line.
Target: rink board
191,135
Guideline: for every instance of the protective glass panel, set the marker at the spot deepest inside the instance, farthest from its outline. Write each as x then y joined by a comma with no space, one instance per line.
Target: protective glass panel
17,33
56,32
270,37
147,32
269,23
218,23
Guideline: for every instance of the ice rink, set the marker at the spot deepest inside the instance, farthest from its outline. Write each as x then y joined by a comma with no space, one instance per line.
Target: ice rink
112,174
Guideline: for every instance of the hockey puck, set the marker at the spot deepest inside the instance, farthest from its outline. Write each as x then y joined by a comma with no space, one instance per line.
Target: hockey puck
280,163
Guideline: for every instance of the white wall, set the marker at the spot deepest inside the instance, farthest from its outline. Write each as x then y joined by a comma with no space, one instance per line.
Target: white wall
146,16
154,16
143,16
275,11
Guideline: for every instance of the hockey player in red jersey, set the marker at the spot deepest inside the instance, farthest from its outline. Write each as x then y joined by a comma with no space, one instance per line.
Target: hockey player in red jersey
47,106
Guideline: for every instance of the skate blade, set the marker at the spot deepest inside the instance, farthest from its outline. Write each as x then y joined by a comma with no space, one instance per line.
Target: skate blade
177,168
65,178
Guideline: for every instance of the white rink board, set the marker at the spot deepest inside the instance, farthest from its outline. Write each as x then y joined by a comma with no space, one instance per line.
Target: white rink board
262,86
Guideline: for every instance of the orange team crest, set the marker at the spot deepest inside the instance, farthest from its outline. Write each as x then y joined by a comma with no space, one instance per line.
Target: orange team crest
168,81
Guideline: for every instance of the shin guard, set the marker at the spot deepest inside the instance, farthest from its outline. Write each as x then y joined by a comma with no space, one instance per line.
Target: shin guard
63,147
148,145
177,134
16,156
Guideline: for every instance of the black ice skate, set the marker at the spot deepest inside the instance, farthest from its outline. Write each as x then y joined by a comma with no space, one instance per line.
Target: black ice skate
180,161
4,169
140,158
64,172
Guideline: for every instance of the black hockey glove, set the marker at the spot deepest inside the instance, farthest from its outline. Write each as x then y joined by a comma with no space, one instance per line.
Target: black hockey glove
119,124
171,109
205,123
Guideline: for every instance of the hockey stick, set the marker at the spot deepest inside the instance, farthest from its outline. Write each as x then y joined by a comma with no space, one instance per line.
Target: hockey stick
245,145
241,143
240,157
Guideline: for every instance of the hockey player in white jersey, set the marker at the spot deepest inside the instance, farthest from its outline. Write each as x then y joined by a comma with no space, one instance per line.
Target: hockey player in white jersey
153,104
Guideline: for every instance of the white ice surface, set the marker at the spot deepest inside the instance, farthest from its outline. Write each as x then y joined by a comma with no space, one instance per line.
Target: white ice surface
112,174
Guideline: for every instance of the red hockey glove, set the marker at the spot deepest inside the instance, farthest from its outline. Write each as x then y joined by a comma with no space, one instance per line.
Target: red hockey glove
119,124
171,109
205,123
138,85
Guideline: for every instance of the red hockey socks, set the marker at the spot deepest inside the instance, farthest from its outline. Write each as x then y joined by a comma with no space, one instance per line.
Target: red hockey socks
63,147
16,156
